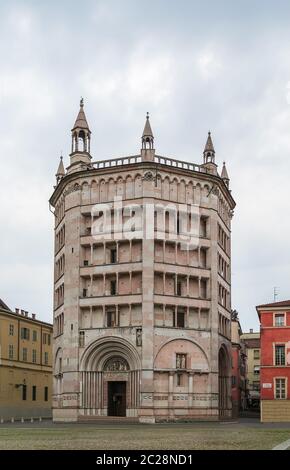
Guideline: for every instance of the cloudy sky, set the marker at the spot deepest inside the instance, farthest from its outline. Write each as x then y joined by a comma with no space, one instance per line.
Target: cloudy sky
195,65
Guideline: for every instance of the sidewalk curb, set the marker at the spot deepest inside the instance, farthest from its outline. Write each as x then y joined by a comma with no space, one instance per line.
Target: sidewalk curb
283,446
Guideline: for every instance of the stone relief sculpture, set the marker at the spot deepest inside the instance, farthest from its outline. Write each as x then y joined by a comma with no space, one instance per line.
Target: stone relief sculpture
116,364
180,361
139,337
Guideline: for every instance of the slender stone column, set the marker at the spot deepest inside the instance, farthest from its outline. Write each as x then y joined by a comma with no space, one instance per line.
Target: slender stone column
104,253
190,389
170,390
104,315
91,317
104,284
130,314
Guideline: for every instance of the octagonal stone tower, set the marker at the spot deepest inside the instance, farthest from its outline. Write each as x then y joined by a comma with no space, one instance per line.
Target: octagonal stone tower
142,285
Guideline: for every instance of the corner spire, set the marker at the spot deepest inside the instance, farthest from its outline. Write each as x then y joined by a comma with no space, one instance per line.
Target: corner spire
209,145
209,151
81,142
209,156
81,134
81,120
225,175
60,171
147,133
147,151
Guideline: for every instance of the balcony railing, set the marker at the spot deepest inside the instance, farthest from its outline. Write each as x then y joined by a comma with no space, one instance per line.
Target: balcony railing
178,164
115,162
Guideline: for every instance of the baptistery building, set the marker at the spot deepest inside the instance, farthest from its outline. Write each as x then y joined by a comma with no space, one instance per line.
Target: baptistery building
142,285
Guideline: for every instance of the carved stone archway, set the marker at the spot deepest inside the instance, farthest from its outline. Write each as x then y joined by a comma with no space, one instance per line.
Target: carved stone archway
105,362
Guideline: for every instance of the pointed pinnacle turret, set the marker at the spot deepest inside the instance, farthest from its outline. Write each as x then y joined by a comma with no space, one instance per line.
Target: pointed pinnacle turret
225,175
209,156
81,120
147,129
60,171
81,139
209,145
209,151
147,151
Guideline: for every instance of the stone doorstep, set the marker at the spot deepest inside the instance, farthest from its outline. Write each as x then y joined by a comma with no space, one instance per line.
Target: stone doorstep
127,419
107,419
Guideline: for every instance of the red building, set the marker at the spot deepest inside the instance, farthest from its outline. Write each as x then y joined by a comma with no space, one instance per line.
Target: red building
275,361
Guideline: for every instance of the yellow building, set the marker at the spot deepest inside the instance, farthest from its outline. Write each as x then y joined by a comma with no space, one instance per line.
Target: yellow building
25,365
252,342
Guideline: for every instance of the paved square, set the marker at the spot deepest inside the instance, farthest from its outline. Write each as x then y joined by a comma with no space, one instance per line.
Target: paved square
188,436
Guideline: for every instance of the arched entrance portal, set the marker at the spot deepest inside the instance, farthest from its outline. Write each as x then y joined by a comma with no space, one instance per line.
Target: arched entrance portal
224,409
110,378
116,375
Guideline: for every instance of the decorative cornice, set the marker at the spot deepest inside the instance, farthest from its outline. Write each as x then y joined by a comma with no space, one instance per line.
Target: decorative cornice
151,166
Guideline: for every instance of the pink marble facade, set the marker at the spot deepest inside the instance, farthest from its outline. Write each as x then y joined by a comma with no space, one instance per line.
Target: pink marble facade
159,313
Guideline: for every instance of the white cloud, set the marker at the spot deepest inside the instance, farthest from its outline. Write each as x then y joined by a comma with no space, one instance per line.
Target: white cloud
288,92
150,76
20,20
30,91
209,64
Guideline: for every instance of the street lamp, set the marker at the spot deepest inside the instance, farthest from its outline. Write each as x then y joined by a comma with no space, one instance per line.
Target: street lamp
21,385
